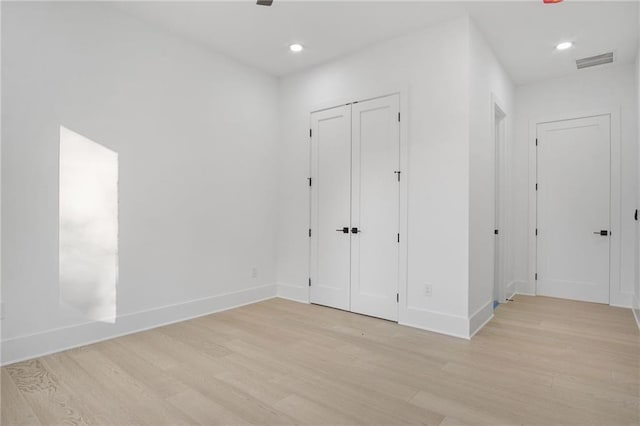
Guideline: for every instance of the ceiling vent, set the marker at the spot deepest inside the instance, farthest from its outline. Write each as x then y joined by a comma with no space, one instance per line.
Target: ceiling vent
592,61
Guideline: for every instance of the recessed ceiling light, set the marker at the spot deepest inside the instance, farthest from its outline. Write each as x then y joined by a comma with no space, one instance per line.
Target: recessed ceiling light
564,45
296,47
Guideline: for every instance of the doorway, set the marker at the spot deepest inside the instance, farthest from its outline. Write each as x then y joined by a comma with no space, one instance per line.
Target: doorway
573,208
499,132
355,207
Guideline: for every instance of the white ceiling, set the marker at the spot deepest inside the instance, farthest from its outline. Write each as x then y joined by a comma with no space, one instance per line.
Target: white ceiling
522,34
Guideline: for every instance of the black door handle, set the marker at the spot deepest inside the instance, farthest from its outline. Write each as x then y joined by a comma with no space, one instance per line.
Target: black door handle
344,230
603,233
355,230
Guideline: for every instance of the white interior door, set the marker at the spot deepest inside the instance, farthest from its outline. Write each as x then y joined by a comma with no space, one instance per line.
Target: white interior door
573,201
330,207
375,207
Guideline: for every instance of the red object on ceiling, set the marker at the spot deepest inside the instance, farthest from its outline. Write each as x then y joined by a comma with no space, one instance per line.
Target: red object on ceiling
551,1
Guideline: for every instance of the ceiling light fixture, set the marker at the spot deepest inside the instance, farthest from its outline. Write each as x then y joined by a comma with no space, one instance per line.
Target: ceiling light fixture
296,47
564,45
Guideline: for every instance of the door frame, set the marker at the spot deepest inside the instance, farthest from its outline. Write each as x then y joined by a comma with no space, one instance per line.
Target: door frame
402,92
501,197
615,207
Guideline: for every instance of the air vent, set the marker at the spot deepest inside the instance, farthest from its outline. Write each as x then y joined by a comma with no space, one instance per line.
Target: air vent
605,58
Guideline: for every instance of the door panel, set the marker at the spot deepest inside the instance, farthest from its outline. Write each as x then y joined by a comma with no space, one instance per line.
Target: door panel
573,201
330,206
375,207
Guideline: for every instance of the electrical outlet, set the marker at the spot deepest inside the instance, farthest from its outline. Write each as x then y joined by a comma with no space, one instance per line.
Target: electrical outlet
254,272
428,290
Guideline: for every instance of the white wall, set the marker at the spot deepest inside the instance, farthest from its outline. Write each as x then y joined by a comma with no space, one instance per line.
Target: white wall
196,136
596,89
433,67
488,80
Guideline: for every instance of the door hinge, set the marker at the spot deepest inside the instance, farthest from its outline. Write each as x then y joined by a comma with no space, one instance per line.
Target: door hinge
397,172
309,232
536,232
536,186
635,215
397,297
398,117
536,276
309,181
398,237
536,141
309,282
310,132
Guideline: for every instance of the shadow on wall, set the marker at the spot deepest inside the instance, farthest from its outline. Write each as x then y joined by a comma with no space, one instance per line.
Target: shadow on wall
88,227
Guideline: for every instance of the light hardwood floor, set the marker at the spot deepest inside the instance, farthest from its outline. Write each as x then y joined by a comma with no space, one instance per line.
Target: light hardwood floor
540,361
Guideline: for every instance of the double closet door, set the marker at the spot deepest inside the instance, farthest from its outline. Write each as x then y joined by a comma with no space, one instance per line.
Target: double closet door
355,202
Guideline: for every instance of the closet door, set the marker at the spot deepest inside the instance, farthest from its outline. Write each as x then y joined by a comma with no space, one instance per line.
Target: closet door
375,204
330,207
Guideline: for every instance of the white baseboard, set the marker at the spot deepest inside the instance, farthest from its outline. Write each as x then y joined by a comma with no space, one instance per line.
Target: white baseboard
510,290
293,292
451,325
524,293
525,288
622,300
30,346
480,318
438,322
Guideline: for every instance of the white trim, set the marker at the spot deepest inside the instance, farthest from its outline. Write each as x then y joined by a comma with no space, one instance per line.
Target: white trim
510,290
524,288
403,253
55,340
437,322
615,207
480,318
360,97
525,293
293,292
502,195
622,300
403,258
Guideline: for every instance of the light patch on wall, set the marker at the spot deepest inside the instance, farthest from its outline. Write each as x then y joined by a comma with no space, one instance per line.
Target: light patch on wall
88,248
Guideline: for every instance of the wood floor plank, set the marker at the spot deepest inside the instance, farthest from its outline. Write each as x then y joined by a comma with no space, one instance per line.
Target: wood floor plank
136,397
97,398
44,393
15,410
203,410
539,361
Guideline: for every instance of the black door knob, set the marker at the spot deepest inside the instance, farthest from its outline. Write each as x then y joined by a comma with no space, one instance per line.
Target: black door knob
355,230
344,230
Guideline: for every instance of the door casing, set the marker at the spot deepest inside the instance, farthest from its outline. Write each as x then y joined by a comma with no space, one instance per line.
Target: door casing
501,196
615,197
403,315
